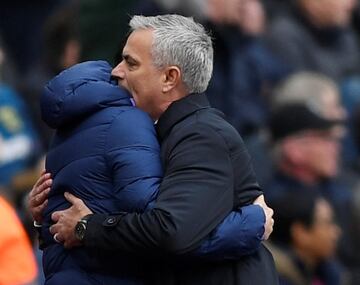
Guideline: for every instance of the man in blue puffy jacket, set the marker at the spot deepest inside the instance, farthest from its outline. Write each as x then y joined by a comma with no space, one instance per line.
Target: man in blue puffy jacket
167,63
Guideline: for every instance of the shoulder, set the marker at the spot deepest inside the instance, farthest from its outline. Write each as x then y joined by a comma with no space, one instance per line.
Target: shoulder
132,118
206,125
131,126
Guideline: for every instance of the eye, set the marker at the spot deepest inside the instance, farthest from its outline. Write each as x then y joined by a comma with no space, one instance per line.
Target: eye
131,63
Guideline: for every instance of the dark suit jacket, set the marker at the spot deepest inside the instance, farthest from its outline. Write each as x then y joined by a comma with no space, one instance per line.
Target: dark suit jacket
207,174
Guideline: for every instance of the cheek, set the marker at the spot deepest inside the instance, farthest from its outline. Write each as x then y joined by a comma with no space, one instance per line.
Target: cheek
324,154
325,245
331,152
315,156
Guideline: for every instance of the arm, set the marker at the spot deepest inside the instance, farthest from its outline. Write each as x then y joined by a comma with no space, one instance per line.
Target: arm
244,227
241,233
195,196
182,217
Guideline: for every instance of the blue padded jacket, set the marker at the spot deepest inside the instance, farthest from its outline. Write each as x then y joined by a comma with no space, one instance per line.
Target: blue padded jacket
105,151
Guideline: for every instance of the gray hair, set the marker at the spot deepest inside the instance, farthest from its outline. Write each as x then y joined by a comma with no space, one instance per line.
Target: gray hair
303,87
180,41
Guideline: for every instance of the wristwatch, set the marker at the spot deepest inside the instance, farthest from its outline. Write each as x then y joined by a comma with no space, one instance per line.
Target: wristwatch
80,228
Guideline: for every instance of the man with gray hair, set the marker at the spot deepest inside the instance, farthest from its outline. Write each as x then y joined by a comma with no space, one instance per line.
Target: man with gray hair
167,64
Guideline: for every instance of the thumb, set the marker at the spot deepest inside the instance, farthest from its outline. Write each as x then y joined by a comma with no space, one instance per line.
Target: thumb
56,216
71,198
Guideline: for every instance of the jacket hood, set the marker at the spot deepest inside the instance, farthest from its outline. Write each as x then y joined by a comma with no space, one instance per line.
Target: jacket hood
78,92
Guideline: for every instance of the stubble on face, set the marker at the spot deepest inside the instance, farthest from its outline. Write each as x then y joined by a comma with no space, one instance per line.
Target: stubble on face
139,74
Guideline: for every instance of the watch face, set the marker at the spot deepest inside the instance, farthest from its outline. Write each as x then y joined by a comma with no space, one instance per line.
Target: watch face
80,230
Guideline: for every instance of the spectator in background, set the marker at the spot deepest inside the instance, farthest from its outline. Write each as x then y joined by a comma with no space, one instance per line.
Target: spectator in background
243,66
62,49
19,145
310,88
354,215
193,8
20,27
277,7
100,22
317,36
352,174
305,239
19,151
306,129
17,262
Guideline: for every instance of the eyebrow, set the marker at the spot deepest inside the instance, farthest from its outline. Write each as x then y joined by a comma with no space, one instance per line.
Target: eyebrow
128,57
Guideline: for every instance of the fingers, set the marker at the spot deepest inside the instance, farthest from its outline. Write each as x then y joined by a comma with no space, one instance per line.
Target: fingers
261,198
35,201
37,198
46,184
37,204
40,191
54,229
56,216
72,199
37,211
260,201
56,238
270,212
79,209
41,197
63,231
269,223
39,185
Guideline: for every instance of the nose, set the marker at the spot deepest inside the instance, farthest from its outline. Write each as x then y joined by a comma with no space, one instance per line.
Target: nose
118,71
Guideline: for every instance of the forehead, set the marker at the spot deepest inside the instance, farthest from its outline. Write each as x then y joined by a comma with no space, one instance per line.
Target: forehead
139,44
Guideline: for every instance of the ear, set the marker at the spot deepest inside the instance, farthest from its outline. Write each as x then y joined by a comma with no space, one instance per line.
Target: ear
172,77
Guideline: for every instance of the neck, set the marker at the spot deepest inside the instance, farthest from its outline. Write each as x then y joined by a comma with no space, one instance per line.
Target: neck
172,96
156,114
309,261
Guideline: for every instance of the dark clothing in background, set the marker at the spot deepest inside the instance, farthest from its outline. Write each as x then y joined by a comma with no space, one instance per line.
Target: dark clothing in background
208,173
333,51
292,271
336,191
247,70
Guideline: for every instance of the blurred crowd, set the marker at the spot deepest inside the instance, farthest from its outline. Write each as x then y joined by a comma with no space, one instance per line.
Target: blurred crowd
286,75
